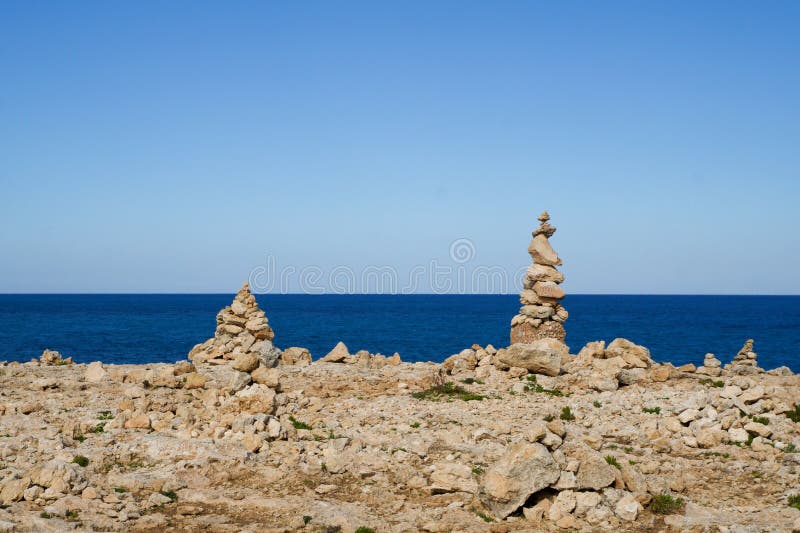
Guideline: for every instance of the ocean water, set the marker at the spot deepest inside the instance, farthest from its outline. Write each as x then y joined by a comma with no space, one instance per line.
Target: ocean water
163,328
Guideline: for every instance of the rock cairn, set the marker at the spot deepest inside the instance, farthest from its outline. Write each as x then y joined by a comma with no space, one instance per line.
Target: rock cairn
243,337
745,362
541,315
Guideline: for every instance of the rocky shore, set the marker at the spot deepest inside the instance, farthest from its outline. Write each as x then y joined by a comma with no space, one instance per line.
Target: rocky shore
245,436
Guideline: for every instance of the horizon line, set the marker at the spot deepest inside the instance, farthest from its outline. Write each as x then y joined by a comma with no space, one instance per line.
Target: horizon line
381,294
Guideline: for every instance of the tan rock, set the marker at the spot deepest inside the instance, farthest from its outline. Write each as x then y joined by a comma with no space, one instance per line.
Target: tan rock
524,469
542,356
267,376
195,381
138,421
542,253
95,373
337,355
245,362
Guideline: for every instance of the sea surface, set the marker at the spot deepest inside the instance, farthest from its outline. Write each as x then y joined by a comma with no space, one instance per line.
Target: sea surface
128,328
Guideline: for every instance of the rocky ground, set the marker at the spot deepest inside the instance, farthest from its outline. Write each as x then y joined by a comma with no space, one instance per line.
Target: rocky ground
527,438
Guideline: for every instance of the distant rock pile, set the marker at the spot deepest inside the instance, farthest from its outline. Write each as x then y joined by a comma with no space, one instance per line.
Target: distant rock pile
745,362
243,337
53,358
541,316
362,358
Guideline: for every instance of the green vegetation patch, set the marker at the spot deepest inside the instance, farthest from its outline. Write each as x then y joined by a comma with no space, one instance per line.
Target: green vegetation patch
297,424
665,504
566,414
447,391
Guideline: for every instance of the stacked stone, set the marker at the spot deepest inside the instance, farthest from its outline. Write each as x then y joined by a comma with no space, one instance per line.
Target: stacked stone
541,315
745,362
243,334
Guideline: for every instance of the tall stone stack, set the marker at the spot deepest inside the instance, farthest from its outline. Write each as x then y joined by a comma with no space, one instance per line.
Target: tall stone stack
541,315
243,333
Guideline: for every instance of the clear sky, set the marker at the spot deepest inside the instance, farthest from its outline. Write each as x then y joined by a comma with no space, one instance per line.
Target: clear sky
175,146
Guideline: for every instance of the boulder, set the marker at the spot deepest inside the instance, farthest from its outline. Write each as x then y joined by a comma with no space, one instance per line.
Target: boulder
95,373
245,362
542,356
337,355
524,469
633,354
296,356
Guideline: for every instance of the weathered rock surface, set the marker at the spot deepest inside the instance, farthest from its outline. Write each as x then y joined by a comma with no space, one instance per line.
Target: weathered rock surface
524,469
398,447
542,356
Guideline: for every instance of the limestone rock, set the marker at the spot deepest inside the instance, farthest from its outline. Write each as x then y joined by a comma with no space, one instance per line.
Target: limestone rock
633,354
53,358
524,469
542,356
95,373
337,355
452,477
245,362
296,356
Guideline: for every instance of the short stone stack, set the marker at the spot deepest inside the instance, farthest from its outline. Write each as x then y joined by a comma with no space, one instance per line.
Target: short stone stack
243,335
745,362
541,315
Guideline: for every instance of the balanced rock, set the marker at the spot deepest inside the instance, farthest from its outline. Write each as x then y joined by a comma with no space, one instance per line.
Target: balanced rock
745,362
541,316
243,337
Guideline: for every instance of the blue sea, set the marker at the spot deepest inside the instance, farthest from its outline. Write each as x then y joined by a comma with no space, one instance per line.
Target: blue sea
129,328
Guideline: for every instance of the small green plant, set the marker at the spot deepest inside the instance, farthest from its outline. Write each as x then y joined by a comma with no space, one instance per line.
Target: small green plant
297,424
566,414
477,470
447,390
665,504
71,516
306,519
794,414
170,494
105,415
652,410
712,383
119,490
99,428
470,381
549,418
80,438
46,515
628,449
323,467
597,404
364,529
484,516
610,459
80,460
415,425
760,419
532,385
632,462
794,501
790,448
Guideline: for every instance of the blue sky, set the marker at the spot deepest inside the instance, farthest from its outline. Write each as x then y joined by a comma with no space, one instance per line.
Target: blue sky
174,147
